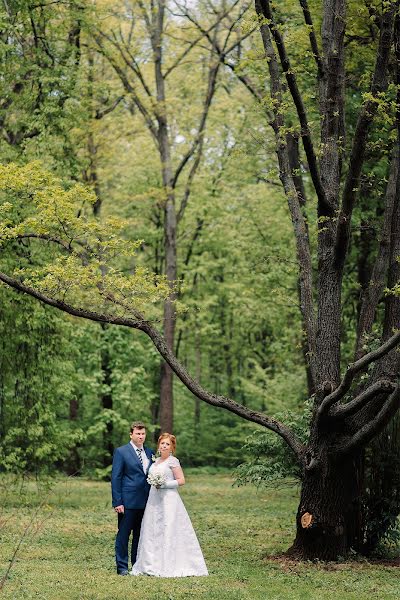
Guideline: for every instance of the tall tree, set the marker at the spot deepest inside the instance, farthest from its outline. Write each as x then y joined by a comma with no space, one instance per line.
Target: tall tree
347,414
151,90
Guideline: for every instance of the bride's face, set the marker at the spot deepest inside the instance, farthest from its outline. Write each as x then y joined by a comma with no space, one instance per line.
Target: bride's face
165,446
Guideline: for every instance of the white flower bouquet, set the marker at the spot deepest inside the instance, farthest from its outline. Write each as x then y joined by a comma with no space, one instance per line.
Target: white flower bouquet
156,479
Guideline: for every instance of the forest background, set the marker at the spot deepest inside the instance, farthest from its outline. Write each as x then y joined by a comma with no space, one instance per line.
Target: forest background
137,138
69,389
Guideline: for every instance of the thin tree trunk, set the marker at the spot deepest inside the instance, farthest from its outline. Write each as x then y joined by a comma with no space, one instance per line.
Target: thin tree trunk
295,167
106,396
198,378
91,178
170,224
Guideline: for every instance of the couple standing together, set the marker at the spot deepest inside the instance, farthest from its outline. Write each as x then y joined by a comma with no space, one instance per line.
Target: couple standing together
164,543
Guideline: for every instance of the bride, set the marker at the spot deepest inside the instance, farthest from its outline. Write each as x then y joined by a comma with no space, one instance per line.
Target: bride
168,546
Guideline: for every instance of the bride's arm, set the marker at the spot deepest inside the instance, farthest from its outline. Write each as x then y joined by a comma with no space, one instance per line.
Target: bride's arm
179,476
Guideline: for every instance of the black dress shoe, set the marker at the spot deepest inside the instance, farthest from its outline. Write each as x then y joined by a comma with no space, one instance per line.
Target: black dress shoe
123,572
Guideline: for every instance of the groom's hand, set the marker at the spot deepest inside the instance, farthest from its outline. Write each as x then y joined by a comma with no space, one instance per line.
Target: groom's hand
119,509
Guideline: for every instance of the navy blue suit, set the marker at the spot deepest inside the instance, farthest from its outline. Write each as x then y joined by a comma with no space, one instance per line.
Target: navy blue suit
129,487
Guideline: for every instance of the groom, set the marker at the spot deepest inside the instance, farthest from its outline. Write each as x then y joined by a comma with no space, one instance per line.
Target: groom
130,491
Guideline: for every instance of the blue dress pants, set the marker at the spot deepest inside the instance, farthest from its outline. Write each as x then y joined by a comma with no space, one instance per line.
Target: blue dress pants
128,522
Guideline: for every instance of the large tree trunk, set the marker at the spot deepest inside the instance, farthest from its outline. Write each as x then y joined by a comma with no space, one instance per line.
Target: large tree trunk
329,514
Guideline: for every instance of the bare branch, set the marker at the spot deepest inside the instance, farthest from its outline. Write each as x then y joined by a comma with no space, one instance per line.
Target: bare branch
147,19
130,62
204,33
106,111
198,141
29,526
223,57
131,91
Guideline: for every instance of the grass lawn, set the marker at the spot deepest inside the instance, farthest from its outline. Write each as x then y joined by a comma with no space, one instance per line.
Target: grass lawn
68,553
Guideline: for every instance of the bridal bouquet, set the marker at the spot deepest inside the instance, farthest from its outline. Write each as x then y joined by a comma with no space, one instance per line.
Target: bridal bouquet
156,479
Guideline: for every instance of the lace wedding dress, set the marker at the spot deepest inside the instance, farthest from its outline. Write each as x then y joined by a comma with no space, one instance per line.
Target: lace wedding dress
168,546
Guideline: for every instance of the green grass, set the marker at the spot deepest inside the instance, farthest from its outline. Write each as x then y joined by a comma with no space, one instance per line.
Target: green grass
68,554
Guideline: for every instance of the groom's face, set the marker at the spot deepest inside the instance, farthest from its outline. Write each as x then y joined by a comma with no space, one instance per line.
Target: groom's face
138,436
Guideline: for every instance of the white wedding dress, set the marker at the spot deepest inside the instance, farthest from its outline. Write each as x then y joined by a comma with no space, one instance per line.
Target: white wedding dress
168,546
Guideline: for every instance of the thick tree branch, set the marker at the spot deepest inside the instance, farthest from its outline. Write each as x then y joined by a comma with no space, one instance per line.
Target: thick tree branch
297,99
368,111
376,285
355,368
375,426
285,174
159,342
379,387
222,401
332,102
313,38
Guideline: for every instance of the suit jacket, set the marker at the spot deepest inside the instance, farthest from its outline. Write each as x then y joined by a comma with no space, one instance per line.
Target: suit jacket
128,481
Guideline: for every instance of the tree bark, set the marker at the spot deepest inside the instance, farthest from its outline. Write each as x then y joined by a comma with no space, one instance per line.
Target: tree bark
198,358
170,223
106,396
328,516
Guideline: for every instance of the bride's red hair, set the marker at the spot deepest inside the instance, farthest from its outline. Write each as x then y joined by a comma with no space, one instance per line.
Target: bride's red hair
171,438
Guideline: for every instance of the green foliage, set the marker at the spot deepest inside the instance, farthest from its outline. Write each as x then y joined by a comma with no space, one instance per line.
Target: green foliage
270,461
234,265
62,217
34,362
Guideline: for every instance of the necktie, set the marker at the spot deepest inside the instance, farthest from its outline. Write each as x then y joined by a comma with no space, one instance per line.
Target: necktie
139,453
